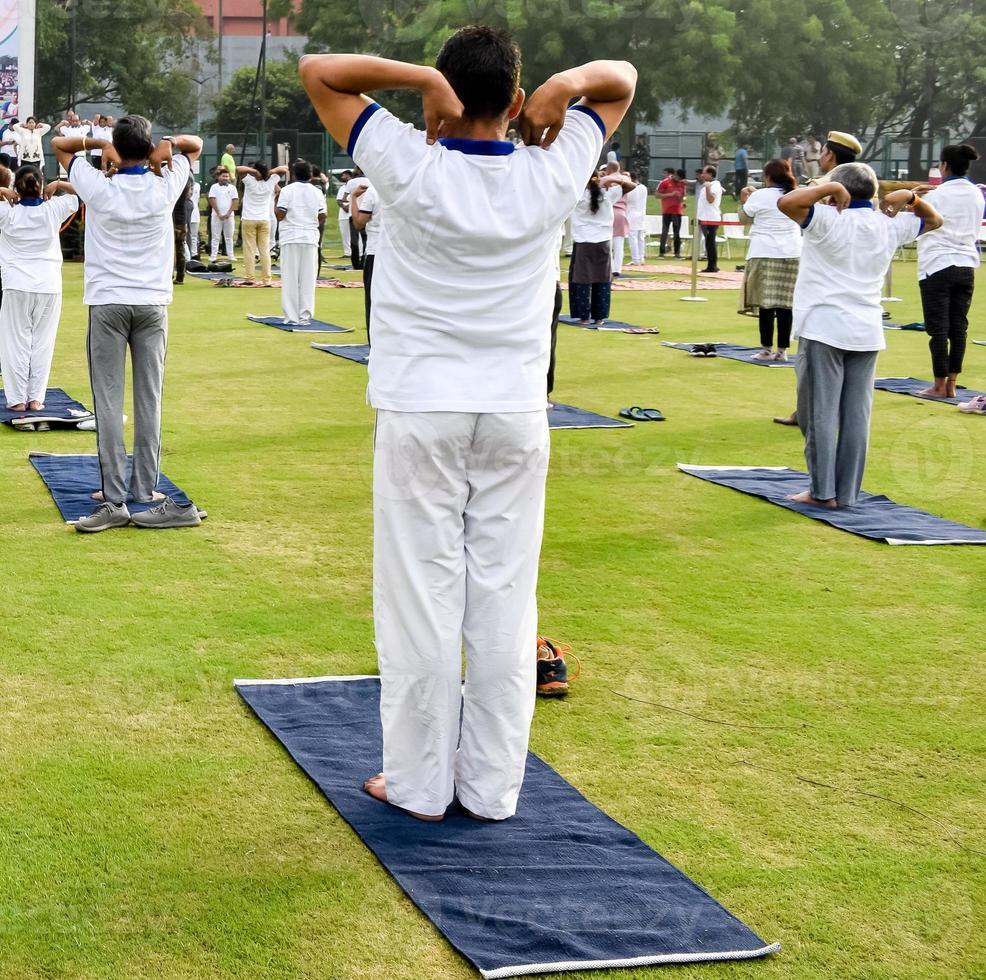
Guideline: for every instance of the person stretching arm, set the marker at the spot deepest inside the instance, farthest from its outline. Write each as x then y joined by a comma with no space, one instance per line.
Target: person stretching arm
797,204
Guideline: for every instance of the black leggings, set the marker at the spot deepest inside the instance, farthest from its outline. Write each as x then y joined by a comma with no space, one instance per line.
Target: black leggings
710,232
785,319
946,297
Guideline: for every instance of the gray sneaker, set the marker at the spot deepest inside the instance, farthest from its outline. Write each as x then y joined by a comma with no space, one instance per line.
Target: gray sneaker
104,517
168,514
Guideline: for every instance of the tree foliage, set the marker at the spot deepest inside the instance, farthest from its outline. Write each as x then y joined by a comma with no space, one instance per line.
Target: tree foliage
237,106
135,53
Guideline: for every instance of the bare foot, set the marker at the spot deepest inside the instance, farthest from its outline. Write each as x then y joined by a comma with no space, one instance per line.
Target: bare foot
934,392
805,497
35,406
19,407
376,786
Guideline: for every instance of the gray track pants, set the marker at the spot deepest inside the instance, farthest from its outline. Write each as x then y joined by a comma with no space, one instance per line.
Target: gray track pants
112,329
835,397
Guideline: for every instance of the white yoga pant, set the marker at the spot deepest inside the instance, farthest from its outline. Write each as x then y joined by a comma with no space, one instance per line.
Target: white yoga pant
347,247
637,245
28,324
617,248
219,229
458,505
299,271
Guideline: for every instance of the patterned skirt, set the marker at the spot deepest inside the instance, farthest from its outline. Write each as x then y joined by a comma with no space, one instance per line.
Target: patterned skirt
769,283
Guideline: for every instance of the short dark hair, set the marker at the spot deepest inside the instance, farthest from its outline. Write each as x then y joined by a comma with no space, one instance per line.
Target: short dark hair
669,170
841,153
261,169
343,174
301,170
132,138
958,156
680,174
711,171
482,64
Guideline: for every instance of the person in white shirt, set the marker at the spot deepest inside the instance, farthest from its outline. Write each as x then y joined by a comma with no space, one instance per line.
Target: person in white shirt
367,217
259,187
463,286
947,263
194,219
357,238
708,198
222,203
838,319
128,287
31,133
343,203
31,269
72,127
301,217
771,259
590,273
636,199
102,129
11,143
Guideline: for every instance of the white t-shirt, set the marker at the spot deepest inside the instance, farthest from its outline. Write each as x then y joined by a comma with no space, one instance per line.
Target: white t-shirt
130,239
464,283
369,203
101,133
592,228
303,202
351,185
340,197
960,202
224,195
30,253
843,264
636,207
773,234
76,132
257,197
704,211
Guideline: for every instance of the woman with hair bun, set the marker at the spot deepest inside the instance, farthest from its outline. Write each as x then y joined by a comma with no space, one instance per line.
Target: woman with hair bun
31,266
947,260
772,259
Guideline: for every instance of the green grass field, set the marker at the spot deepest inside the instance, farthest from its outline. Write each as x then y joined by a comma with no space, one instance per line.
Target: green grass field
151,827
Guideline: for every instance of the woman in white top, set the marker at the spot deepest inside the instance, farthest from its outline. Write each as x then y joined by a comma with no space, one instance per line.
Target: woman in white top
771,260
31,266
259,187
947,263
29,134
301,218
591,269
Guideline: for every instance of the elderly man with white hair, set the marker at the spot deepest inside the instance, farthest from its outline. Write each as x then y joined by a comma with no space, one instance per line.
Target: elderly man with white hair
838,320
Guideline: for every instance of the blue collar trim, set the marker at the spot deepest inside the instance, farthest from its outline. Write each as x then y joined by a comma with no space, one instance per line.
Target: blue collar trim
592,114
31,202
361,121
483,148
139,169
861,204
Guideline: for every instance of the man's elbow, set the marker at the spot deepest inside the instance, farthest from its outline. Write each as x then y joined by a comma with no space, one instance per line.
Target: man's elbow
933,222
311,71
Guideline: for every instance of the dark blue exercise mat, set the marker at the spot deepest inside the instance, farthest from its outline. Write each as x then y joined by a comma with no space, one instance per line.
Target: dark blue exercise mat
72,479
212,275
874,517
736,352
903,326
616,326
570,417
60,410
911,386
558,887
357,353
316,326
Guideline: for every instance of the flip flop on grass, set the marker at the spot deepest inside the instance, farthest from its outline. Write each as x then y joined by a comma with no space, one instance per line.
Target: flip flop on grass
639,414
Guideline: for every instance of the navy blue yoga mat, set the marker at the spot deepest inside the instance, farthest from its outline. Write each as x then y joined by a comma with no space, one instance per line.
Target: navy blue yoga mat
570,417
911,386
59,407
71,480
358,353
316,326
875,517
560,886
736,352
903,326
617,326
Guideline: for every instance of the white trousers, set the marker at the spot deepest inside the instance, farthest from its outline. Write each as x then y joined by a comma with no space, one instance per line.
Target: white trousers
299,270
28,324
193,231
219,229
347,245
637,245
617,250
458,508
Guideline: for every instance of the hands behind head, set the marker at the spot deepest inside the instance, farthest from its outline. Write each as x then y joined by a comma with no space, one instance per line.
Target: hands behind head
896,201
746,192
440,105
839,196
9,194
160,157
543,115
111,160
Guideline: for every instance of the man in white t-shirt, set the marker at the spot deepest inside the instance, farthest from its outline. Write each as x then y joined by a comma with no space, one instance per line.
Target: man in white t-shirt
463,286
301,215
102,129
838,319
74,128
342,200
367,218
636,199
128,287
222,203
708,213
357,238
